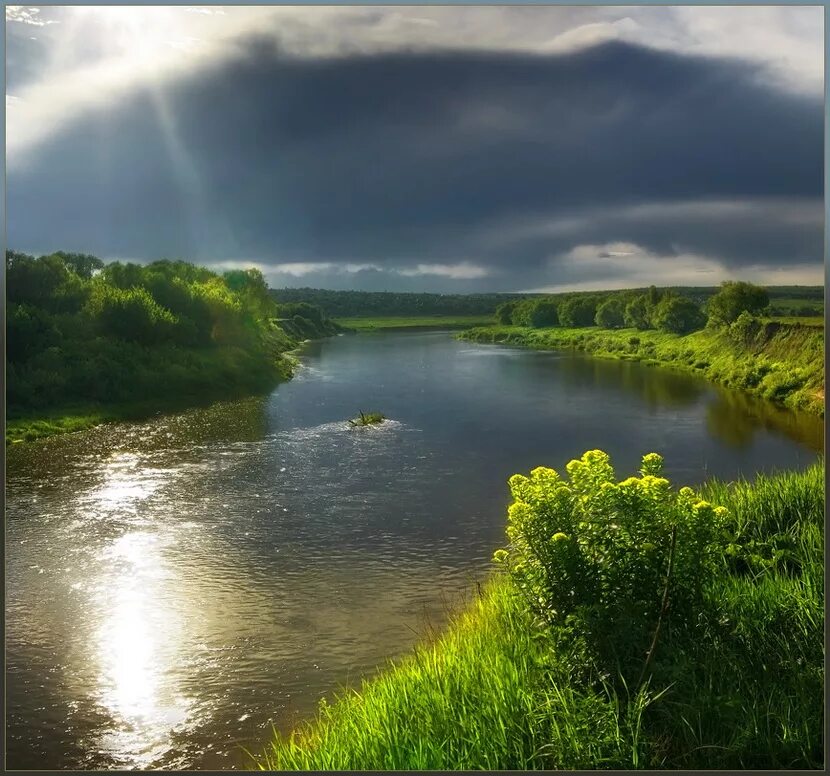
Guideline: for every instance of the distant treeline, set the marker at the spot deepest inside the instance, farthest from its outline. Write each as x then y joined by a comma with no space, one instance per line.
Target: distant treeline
366,304
665,310
82,332
784,300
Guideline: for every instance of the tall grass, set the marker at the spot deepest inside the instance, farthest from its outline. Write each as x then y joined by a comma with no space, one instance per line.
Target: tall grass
496,692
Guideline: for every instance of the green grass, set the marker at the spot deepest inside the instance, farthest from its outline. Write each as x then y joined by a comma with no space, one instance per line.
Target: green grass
495,693
434,322
29,429
816,321
783,363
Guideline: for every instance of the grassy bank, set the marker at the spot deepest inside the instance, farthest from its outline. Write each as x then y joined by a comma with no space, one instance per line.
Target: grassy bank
499,690
34,425
435,322
193,378
781,362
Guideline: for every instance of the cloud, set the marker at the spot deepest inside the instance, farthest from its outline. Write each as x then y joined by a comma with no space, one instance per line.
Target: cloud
462,271
385,168
26,15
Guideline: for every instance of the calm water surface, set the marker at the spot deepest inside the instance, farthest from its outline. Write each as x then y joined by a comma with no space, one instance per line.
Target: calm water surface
177,587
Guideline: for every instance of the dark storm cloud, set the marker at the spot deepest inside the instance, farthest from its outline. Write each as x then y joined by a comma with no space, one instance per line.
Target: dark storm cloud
502,160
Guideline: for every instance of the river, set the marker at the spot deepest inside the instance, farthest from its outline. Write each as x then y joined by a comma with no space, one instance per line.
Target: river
176,587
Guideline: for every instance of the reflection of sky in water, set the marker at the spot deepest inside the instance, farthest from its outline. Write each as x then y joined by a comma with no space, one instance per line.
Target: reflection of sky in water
176,587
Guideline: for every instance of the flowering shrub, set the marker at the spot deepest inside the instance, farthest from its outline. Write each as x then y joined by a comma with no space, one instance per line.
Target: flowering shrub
607,560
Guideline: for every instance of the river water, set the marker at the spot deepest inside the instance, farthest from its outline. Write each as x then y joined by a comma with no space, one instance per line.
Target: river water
175,588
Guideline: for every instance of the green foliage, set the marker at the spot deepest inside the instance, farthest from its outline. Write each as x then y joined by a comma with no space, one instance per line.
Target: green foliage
131,314
543,313
678,315
593,554
744,328
611,313
504,312
734,298
637,313
578,311
82,264
85,333
381,304
367,419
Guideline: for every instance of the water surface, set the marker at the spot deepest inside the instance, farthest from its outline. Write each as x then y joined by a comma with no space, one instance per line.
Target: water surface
176,587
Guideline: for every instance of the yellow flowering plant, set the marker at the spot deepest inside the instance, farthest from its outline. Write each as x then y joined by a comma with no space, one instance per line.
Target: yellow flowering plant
609,560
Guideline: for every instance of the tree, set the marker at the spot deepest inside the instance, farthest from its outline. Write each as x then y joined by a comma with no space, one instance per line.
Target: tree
611,313
82,264
544,313
578,311
637,313
678,315
521,313
734,298
504,313
129,314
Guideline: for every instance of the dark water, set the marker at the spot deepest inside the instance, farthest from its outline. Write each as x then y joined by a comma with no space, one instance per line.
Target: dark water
174,588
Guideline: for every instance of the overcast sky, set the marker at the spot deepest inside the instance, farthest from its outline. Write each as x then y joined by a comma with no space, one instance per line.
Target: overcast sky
450,149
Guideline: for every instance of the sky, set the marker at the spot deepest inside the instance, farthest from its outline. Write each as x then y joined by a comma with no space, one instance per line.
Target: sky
446,149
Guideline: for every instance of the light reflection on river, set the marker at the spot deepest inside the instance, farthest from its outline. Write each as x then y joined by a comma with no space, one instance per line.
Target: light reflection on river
176,587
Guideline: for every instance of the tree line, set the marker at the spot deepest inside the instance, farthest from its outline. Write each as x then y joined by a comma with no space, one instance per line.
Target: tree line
785,300
665,310
365,304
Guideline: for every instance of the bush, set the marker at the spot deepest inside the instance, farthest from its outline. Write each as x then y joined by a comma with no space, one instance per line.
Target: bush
744,329
599,558
678,315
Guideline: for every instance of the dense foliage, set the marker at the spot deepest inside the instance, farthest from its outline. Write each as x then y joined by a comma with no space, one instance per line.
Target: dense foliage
366,304
735,298
595,557
529,677
353,304
676,311
83,333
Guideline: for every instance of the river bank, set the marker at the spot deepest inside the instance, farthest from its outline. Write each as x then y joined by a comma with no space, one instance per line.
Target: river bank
499,692
34,425
783,363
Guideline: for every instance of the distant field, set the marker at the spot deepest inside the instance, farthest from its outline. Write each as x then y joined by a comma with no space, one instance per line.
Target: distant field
416,322
815,320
